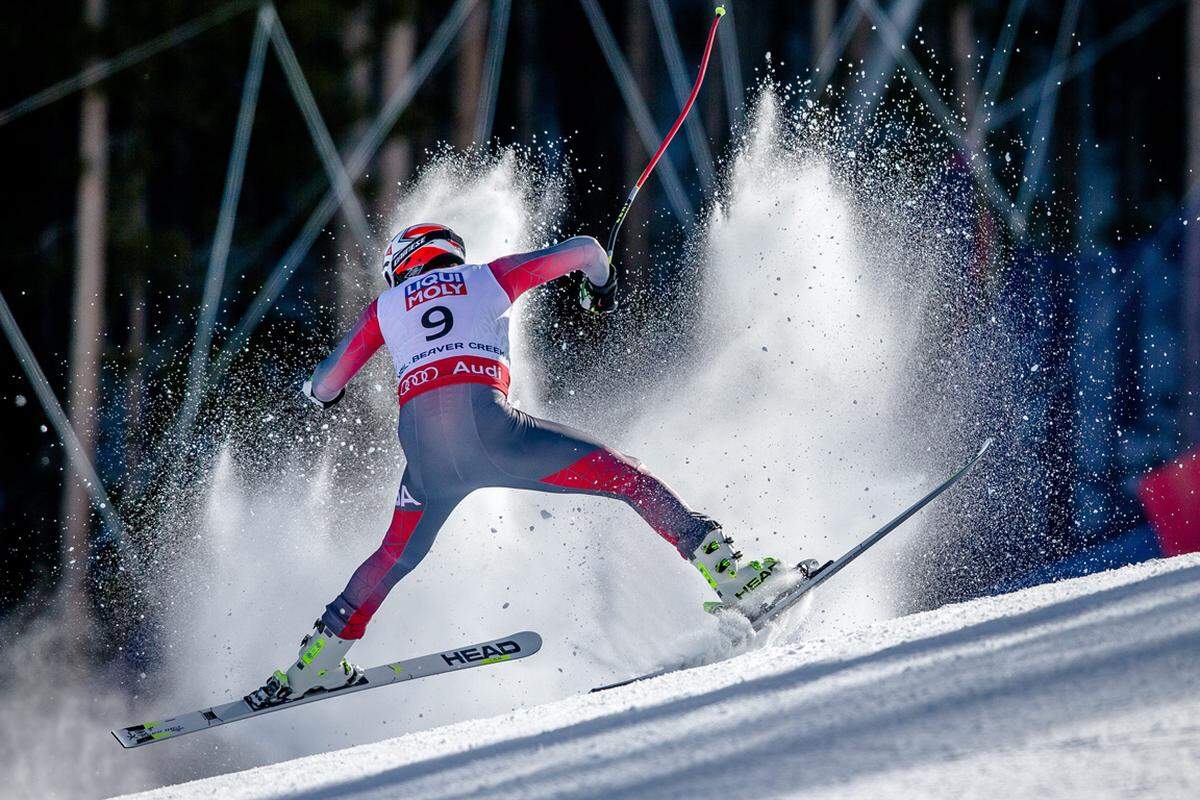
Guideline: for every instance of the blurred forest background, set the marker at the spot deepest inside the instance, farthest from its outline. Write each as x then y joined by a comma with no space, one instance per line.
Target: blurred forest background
119,137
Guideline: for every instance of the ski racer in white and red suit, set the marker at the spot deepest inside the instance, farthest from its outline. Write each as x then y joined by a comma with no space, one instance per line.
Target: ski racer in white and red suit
445,324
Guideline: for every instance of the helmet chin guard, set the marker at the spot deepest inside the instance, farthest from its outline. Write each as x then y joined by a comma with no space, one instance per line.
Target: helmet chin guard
422,247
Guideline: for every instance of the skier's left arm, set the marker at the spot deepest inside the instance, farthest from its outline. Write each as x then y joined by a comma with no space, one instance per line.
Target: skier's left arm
520,272
328,382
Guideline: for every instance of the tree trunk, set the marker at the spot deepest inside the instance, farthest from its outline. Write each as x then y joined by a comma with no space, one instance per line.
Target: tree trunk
633,232
526,21
130,246
395,159
135,439
1190,406
355,279
470,75
984,253
962,43
823,14
87,325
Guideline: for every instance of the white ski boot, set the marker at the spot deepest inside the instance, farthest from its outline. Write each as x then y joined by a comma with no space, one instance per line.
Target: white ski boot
321,666
734,582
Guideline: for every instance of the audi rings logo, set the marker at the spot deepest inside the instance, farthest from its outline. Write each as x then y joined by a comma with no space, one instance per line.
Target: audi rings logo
418,378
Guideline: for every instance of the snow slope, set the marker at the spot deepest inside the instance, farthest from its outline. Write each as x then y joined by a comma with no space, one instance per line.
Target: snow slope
1084,688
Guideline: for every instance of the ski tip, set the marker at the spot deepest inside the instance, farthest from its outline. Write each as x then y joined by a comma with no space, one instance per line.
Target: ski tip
658,673
720,11
987,443
530,639
122,738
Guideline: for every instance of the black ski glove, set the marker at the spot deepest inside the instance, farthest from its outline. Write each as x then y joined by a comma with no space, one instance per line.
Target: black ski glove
599,299
307,391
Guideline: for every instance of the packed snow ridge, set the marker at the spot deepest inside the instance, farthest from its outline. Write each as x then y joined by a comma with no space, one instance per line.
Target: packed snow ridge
1084,688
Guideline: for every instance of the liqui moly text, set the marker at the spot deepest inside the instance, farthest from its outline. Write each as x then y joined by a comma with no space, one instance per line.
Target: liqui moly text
433,286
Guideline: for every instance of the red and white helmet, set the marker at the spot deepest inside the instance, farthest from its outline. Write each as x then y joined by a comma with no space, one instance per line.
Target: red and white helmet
419,248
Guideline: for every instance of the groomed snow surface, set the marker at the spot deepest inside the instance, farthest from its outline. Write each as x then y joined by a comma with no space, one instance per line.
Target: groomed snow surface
1088,688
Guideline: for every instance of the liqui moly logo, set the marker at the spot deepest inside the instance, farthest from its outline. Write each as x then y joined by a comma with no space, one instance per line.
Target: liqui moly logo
433,286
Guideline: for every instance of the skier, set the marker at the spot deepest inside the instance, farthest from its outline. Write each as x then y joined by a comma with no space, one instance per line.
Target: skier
445,323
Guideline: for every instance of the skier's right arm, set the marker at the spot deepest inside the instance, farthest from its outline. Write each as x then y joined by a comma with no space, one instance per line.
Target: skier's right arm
520,272
328,382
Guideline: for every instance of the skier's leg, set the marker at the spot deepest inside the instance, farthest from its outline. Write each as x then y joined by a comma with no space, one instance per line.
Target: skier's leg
547,456
698,538
321,663
609,473
538,454
415,523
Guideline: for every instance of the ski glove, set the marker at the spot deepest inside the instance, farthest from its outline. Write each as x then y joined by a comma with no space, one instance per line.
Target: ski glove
599,299
307,391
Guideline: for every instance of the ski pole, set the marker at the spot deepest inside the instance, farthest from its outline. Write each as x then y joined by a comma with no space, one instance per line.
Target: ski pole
662,148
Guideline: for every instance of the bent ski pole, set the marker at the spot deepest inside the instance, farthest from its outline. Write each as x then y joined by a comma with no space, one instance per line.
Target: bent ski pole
662,148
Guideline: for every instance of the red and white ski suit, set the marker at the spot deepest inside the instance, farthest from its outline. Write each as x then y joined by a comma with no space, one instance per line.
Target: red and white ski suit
447,332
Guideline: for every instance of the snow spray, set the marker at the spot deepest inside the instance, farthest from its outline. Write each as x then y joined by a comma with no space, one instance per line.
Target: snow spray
773,392
287,519
776,395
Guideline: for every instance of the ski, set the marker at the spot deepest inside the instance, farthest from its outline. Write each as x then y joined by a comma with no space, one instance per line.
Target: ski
831,568
769,611
510,648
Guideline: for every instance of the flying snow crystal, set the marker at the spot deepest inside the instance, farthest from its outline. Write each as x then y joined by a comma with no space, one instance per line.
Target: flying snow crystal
775,377
285,521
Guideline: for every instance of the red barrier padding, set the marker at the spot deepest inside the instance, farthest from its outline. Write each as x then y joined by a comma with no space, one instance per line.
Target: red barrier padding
1171,497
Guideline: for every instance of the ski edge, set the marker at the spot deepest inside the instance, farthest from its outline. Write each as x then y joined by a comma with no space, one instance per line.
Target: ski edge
134,736
637,678
829,568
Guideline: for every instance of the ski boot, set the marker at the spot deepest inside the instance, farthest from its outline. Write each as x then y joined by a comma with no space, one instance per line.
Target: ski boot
321,666
721,566
808,567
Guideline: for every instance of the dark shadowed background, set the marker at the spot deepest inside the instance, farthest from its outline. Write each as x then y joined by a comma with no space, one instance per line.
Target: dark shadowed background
1071,130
